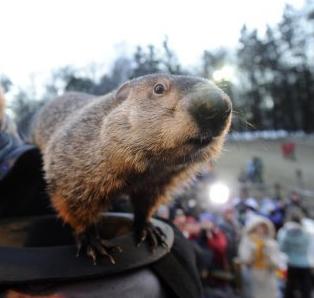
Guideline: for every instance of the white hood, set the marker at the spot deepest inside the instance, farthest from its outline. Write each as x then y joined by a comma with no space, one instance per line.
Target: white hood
256,220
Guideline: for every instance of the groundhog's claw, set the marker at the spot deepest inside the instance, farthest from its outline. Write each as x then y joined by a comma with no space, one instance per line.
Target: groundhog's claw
94,246
153,235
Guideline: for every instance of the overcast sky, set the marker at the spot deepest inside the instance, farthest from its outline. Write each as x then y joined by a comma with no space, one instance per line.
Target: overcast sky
39,35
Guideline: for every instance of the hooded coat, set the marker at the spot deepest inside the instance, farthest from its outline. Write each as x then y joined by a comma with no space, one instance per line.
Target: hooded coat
260,257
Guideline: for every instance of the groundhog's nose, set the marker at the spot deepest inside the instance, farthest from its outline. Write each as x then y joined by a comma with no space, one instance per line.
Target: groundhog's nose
210,108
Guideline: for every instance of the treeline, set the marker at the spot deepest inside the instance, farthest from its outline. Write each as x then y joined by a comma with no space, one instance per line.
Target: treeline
272,86
277,78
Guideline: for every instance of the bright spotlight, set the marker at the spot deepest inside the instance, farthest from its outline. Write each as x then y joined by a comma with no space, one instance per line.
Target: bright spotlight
219,193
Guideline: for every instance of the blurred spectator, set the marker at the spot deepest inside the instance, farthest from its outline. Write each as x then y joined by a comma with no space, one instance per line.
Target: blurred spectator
180,221
214,239
192,227
255,170
288,150
266,206
250,170
273,210
260,256
230,227
259,169
245,206
295,205
299,178
240,206
252,209
277,192
175,205
277,215
295,241
188,225
215,271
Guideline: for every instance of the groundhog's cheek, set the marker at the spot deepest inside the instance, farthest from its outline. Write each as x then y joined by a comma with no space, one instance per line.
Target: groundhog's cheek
178,129
135,117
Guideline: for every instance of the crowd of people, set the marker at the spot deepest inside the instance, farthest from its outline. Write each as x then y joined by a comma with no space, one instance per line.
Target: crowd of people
251,248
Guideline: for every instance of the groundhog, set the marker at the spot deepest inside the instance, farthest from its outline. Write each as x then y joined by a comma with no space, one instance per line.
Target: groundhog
142,140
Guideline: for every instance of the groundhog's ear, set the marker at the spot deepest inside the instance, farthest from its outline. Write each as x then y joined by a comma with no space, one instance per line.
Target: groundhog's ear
123,92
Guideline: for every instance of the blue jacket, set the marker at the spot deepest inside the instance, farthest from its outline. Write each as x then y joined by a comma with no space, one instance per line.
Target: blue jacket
295,242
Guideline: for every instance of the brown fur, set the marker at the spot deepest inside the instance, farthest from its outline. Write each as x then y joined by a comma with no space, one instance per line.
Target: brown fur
130,141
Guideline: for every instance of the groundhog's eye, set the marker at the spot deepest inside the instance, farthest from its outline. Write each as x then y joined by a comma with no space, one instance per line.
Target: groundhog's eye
159,89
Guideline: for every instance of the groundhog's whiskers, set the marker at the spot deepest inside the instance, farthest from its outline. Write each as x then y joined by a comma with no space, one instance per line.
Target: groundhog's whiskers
239,115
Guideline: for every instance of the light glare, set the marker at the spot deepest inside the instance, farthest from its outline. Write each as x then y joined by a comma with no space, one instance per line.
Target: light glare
219,193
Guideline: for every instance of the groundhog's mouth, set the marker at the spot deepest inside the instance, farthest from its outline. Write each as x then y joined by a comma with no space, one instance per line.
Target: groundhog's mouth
201,141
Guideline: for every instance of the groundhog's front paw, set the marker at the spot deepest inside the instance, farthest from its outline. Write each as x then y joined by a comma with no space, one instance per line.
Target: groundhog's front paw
91,243
153,235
